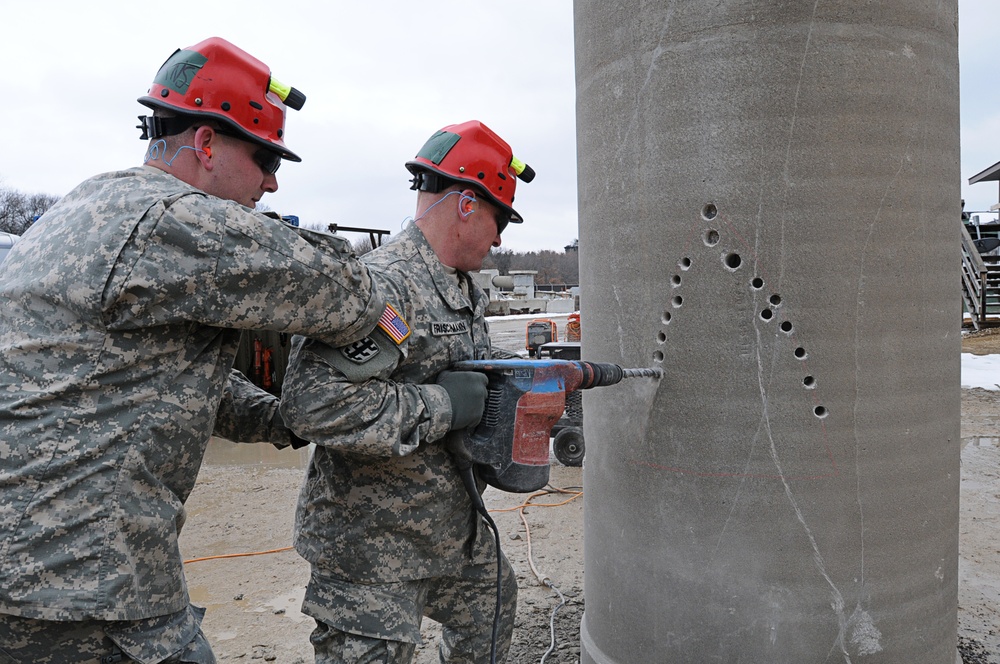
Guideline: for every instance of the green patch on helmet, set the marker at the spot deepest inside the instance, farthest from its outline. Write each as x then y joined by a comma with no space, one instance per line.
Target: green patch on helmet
179,70
437,146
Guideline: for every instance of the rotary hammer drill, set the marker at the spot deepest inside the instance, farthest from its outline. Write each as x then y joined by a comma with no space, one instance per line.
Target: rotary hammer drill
525,399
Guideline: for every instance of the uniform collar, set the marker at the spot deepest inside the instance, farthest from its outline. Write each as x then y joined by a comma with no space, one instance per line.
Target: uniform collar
445,282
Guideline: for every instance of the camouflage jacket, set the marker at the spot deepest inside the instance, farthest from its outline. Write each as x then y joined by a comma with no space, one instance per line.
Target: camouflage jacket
122,309
382,501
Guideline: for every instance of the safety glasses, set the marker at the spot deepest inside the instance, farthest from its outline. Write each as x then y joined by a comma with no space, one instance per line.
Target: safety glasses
503,218
500,215
268,160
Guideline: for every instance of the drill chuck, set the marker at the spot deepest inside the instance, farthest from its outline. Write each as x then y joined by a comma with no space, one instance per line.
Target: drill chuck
600,374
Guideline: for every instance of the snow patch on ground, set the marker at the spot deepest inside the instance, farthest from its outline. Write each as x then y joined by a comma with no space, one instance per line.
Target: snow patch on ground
981,371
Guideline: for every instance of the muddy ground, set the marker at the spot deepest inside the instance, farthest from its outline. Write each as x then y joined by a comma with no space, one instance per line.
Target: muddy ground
245,499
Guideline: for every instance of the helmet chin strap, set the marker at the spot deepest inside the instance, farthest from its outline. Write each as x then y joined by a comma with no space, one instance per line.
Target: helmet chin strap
154,126
428,181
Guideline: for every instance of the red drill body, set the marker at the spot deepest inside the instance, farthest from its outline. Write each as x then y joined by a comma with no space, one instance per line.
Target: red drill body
526,398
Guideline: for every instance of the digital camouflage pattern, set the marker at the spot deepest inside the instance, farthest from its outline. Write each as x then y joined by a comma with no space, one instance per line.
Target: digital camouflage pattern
170,639
387,627
383,502
119,327
248,414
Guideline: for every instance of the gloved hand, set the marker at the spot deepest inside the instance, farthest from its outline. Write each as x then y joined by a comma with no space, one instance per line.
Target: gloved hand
278,428
467,391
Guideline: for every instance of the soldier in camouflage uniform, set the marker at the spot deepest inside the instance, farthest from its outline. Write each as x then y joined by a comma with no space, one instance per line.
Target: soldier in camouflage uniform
122,310
383,517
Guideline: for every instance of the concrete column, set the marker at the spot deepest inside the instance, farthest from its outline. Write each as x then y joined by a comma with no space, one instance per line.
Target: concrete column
769,209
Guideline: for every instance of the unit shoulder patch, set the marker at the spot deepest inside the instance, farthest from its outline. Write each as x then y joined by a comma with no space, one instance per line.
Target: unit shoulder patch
367,358
361,351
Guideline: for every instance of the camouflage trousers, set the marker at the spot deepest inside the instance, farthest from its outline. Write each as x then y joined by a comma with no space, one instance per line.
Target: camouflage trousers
172,639
362,624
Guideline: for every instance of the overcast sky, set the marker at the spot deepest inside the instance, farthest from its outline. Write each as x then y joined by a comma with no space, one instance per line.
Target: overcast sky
380,77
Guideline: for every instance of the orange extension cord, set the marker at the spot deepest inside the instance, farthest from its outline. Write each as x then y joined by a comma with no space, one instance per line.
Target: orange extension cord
238,555
544,580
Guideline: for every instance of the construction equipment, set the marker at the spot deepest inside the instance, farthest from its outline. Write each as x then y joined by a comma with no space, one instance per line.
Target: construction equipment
539,331
568,443
510,445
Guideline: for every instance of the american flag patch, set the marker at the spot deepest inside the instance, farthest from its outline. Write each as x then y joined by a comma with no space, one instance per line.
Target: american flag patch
394,325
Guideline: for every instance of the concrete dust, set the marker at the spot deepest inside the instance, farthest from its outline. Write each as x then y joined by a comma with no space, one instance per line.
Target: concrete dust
242,506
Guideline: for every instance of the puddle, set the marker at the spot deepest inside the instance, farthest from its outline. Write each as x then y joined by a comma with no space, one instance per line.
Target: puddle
981,441
222,452
202,596
287,604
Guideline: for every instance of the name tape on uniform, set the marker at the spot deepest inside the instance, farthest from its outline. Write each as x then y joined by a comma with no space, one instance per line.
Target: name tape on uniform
444,328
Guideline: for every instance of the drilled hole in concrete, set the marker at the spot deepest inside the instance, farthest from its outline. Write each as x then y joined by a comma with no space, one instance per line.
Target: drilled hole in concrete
678,301
733,261
666,317
766,314
685,263
711,237
709,212
809,382
786,326
756,283
658,356
800,353
676,280
820,411
776,300
661,337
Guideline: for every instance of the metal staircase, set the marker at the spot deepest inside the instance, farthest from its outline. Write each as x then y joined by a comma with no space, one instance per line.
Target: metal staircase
981,278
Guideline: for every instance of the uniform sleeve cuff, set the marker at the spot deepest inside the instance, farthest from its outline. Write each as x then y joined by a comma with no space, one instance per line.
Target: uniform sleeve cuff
439,407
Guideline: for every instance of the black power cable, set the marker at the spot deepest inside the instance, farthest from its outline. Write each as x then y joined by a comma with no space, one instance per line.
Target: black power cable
465,470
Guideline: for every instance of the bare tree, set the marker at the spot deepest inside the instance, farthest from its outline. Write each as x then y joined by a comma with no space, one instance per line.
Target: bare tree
362,246
551,267
499,259
19,210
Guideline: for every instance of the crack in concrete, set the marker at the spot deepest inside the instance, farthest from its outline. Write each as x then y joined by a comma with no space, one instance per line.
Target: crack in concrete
837,603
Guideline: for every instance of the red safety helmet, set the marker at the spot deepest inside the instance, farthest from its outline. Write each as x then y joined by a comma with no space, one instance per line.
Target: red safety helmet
215,79
470,153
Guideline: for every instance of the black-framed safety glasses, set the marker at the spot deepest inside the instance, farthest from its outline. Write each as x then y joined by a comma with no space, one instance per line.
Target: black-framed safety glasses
268,160
503,218
500,215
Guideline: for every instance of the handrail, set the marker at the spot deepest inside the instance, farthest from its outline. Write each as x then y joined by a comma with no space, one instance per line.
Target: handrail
970,249
973,279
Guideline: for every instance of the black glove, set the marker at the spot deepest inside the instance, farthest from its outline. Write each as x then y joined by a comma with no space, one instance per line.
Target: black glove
278,427
467,391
